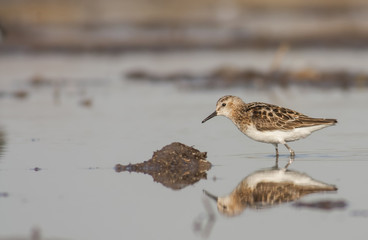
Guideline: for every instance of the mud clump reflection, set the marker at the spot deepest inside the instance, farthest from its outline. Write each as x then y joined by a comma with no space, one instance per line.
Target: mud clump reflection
175,166
269,187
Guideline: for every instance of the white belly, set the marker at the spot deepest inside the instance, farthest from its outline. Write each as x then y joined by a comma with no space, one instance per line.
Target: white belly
282,176
281,136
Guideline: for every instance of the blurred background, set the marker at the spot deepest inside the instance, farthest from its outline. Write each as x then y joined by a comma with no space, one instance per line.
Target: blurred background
87,84
330,30
111,25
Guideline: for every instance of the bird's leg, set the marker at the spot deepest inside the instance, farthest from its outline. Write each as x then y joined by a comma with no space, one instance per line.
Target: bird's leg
277,162
292,153
277,149
277,155
291,160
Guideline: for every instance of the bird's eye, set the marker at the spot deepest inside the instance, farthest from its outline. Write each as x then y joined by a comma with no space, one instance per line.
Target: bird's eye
224,104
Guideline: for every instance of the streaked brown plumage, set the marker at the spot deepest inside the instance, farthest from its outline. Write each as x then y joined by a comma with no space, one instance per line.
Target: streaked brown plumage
271,117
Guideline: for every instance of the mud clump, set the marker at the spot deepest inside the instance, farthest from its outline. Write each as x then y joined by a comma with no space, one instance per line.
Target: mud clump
175,166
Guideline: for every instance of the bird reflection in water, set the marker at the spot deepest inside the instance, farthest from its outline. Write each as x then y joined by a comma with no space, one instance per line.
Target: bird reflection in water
268,187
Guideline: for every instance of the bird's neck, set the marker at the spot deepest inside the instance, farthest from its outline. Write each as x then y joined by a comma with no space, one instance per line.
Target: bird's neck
240,117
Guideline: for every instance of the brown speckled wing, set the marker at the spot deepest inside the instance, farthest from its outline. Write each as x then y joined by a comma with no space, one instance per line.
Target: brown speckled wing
266,194
268,117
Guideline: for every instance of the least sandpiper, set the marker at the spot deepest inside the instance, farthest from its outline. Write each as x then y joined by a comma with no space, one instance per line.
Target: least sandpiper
268,187
268,123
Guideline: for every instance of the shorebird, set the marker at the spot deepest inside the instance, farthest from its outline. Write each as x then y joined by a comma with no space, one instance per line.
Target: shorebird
266,188
268,123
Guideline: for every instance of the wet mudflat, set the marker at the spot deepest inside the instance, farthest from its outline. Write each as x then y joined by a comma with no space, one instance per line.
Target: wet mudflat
78,117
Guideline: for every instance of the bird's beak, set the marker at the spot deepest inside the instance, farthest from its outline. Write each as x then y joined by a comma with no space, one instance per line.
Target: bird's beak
210,195
214,114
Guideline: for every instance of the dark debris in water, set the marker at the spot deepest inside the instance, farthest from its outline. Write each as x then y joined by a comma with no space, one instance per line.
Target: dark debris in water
229,76
2,142
175,166
4,194
20,94
323,204
39,81
87,102
360,213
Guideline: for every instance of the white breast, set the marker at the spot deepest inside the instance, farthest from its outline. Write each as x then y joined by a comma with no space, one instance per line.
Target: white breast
281,136
280,176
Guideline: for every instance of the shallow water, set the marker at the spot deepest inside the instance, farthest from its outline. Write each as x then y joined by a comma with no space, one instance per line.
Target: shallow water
77,194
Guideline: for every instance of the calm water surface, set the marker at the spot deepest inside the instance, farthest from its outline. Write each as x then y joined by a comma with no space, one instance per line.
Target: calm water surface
78,195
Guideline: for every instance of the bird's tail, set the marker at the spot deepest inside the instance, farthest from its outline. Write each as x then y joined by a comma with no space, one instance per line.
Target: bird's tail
329,121
318,121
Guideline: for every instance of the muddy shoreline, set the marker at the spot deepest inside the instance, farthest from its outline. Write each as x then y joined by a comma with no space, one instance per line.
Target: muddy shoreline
230,76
